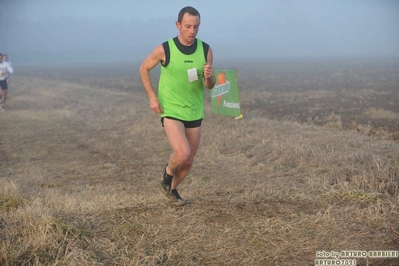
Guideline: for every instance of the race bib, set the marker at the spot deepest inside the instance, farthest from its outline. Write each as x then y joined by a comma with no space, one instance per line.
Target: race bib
192,74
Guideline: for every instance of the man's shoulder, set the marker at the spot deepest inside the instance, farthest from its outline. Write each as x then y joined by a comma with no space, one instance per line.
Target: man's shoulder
169,40
205,44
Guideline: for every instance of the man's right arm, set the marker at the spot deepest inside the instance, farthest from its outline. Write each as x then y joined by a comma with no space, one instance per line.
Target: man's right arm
9,68
152,60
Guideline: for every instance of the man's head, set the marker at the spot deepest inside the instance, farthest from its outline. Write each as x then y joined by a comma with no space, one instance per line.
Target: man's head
187,23
190,10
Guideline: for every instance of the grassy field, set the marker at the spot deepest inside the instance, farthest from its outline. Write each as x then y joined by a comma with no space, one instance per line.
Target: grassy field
81,155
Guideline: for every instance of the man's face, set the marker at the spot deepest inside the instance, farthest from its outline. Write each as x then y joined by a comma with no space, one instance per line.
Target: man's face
188,28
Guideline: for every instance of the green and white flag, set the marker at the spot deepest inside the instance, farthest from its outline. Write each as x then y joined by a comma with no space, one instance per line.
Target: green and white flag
225,96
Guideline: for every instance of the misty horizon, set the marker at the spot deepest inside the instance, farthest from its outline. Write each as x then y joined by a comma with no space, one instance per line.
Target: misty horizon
91,31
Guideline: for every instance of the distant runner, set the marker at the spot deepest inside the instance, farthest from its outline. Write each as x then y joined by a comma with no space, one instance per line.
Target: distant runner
186,67
5,59
5,72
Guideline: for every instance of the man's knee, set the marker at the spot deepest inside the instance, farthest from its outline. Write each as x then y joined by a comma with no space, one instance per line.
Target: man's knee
184,159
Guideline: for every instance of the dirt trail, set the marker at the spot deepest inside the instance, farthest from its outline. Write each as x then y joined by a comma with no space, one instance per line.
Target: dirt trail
261,189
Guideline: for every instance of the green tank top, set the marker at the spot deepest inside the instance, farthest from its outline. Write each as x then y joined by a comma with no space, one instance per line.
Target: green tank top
181,88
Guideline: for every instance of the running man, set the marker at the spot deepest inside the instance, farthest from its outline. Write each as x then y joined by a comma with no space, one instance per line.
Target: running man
186,67
5,72
5,59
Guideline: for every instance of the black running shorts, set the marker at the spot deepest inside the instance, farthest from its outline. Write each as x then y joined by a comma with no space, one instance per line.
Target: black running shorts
3,84
187,124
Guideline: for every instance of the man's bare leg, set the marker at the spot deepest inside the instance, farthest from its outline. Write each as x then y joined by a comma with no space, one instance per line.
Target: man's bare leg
3,97
185,143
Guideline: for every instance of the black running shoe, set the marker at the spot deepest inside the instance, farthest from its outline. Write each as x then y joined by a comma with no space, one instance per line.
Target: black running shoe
166,183
176,197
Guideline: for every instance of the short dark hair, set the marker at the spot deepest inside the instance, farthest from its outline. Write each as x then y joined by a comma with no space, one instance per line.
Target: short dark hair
188,9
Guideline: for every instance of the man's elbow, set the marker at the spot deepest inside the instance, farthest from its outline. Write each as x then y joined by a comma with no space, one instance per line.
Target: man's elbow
143,69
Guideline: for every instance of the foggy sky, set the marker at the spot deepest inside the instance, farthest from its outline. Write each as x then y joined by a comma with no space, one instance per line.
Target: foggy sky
123,30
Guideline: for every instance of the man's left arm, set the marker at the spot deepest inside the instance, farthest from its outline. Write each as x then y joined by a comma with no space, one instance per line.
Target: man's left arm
209,77
9,68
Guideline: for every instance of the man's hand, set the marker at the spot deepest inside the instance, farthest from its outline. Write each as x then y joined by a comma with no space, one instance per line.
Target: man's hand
208,71
155,105
209,77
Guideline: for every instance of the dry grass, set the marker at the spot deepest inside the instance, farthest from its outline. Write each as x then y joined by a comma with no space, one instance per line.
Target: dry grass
80,165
